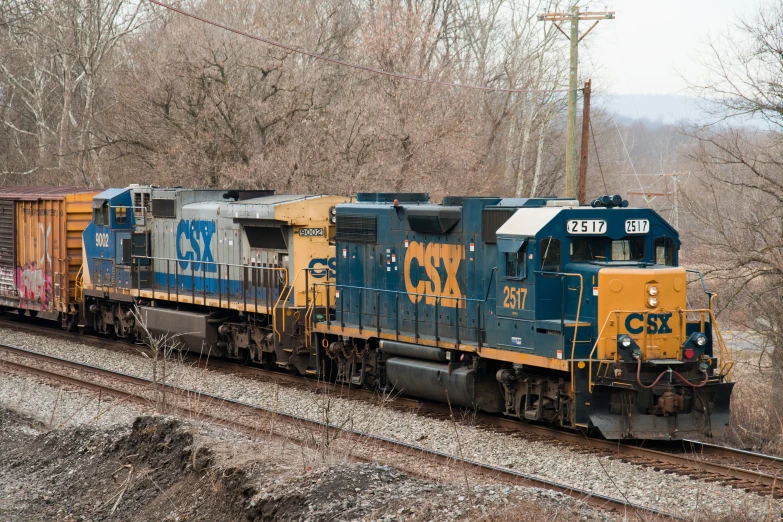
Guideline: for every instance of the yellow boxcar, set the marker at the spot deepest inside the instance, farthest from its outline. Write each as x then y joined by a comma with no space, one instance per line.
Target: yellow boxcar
40,247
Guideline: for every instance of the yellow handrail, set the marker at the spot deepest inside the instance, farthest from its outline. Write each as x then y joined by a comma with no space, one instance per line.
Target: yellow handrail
308,321
274,310
576,326
724,357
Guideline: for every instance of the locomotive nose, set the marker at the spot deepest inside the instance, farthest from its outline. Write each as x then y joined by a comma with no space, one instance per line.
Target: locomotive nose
642,308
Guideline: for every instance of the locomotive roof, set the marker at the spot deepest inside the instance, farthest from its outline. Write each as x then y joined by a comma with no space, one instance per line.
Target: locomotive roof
30,193
275,200
528,221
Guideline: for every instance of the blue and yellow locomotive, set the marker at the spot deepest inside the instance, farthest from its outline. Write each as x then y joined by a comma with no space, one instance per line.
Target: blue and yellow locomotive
540,309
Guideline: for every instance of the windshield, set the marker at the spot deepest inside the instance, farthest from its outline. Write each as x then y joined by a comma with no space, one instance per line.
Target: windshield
588,249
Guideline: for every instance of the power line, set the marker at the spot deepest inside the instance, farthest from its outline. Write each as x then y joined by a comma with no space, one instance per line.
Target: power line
601,170
348,64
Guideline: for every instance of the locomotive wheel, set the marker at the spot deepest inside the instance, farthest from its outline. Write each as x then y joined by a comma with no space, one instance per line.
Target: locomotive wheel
244,357
267,360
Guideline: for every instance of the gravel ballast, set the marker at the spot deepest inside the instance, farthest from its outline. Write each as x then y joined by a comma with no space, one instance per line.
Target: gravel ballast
695,499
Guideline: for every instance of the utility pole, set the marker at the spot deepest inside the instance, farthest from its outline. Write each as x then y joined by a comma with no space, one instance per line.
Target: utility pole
585,143
649,196
573,17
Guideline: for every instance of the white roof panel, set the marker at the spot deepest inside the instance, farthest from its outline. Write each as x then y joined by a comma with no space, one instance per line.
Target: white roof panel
528,221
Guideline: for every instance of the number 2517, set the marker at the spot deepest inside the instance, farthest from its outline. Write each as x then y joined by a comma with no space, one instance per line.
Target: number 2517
514,297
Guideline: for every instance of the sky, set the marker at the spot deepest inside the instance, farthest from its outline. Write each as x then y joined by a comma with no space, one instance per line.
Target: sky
650,45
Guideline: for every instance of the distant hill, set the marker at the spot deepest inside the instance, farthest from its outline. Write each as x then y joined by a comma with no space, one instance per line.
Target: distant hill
657,108
664,109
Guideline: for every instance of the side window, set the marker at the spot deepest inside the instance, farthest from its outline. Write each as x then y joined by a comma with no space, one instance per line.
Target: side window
515,263
628,249
120,215
100,216
550,255
664,250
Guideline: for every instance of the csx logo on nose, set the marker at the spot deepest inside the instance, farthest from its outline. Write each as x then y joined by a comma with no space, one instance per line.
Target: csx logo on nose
656,323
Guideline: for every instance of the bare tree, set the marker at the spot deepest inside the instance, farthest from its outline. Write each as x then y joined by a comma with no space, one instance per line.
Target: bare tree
55,68
738,199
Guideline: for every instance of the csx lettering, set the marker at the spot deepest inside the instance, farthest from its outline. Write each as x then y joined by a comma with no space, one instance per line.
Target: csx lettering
431,259
319,266
102,240
514,297
656,323
196,234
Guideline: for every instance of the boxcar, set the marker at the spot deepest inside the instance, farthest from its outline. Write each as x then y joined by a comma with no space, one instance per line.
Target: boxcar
40,248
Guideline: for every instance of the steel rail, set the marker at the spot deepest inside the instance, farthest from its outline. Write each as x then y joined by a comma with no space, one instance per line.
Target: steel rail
595,499
694,461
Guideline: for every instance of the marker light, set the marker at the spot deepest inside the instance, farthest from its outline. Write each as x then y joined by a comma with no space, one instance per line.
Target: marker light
626,341
689,353
652,302
653,290
701,340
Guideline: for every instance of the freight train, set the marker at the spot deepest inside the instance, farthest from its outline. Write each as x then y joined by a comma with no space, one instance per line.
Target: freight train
540,309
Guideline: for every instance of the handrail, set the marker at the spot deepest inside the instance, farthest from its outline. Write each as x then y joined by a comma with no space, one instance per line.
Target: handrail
403,292
724,357
271,269
397,293
291,289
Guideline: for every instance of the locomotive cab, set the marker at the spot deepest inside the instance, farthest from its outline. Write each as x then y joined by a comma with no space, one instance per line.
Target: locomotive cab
602,293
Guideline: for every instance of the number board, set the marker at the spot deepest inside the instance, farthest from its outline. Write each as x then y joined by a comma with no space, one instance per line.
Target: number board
637,226
311,232
586,226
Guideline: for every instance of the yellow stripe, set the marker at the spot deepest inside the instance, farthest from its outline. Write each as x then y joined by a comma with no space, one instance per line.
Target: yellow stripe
489,353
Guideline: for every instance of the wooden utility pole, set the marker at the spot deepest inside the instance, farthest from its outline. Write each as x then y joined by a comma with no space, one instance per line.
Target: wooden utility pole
585,143
573,17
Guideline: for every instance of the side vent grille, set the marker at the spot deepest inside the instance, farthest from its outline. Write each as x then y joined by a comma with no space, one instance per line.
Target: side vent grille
164,208
356,228
491,220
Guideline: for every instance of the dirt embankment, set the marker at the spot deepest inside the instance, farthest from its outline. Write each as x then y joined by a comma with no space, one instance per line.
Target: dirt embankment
162,469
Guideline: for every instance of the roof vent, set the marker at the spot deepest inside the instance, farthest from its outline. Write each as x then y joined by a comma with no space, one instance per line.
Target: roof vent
389,197
567,203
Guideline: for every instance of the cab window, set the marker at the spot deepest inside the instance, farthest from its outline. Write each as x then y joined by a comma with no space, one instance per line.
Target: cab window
664,250
588,249
120,215
515,263
100,216
550,255
628,249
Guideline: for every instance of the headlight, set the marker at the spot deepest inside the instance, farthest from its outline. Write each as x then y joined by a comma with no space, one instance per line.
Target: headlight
333,211
626,341
701,340
652,302
653,290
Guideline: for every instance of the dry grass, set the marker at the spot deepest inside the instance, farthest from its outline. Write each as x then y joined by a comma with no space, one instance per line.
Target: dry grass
755,422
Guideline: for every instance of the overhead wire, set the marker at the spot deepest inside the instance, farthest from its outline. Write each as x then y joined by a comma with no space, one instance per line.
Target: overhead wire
622,140
342,63
597,157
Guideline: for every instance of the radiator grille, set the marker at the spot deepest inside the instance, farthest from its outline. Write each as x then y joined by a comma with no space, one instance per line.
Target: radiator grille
356,228
164,208
491,220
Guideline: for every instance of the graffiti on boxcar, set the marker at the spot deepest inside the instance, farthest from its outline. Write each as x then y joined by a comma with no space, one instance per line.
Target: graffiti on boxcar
34,285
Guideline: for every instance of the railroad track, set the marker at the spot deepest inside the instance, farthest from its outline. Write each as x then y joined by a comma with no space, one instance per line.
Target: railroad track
741,469
241,410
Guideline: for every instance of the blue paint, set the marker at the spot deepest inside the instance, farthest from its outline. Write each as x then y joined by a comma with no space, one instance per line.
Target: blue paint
194,244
